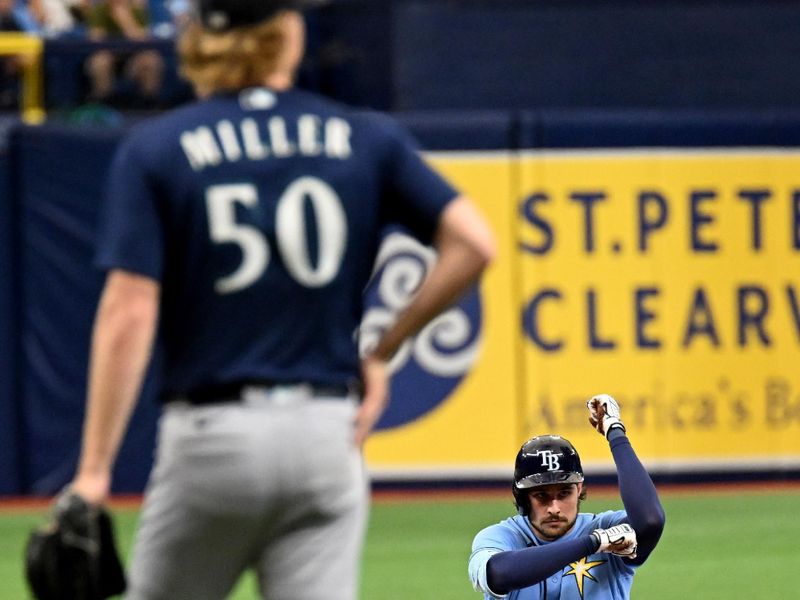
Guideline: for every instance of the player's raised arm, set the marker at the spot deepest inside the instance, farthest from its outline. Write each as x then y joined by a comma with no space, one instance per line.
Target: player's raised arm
639,495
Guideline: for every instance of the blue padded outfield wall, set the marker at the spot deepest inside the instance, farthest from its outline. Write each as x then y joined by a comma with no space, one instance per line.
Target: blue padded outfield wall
51,198
10,442
58,178
522,54
618,53
518,54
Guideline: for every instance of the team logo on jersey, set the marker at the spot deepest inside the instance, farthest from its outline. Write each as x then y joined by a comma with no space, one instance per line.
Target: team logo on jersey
257,99
581,570
428,367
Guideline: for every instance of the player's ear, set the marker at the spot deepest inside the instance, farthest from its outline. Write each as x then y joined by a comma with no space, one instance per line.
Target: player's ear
581,491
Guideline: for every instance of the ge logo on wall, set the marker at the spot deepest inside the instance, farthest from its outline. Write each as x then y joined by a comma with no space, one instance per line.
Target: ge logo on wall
428,367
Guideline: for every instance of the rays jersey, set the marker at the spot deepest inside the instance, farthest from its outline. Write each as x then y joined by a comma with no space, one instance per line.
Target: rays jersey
600,576
260,214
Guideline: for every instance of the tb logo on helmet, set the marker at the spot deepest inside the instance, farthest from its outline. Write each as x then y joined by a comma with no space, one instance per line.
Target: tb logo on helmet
559,463
550,459
428,367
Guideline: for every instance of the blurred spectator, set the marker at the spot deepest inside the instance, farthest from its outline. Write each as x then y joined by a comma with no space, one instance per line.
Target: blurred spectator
109,72
180,11
24,17
10,66
57,17
168,17
8,17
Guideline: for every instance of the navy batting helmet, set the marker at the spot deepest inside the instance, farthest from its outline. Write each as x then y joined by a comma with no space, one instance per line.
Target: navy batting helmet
544,460
221,15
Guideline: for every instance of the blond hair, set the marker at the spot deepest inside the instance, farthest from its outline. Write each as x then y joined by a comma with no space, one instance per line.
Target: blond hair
231,60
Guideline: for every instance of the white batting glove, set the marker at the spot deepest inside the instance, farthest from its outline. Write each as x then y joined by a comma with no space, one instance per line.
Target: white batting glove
604,413
619,540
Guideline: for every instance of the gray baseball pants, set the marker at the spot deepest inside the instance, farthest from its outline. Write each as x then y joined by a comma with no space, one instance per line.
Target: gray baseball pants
273,483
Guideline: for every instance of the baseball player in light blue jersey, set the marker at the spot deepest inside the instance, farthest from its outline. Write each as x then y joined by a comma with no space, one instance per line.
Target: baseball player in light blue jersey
551,550
239,234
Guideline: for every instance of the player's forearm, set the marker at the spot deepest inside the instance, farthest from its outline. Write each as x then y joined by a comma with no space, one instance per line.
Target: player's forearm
517,569
639,495
465,247
121,346
449,279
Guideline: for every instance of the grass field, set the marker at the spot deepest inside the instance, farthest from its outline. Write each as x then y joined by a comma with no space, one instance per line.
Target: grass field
716,546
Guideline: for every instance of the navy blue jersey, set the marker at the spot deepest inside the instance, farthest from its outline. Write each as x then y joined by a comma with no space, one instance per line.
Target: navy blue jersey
260,214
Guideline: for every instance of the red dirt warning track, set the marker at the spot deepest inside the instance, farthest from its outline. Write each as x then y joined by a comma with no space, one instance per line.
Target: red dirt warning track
28,504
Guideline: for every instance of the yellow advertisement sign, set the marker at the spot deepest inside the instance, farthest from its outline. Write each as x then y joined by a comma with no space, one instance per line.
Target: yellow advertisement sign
472,430
670,280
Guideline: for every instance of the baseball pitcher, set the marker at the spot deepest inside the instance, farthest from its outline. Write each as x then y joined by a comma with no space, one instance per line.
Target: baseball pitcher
239,234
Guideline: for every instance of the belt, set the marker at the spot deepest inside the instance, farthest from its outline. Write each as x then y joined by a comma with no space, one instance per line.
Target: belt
233,391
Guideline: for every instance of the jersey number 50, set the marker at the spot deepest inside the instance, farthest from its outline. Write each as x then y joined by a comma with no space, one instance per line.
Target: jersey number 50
290,232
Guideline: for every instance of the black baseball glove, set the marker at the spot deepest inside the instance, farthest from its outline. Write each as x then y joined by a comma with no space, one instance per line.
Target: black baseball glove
74,556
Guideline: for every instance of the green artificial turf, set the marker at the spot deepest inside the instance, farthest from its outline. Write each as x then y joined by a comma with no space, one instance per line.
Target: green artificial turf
715,546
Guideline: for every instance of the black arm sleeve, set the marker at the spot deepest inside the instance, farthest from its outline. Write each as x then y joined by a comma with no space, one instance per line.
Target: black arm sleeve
645,513
518,569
